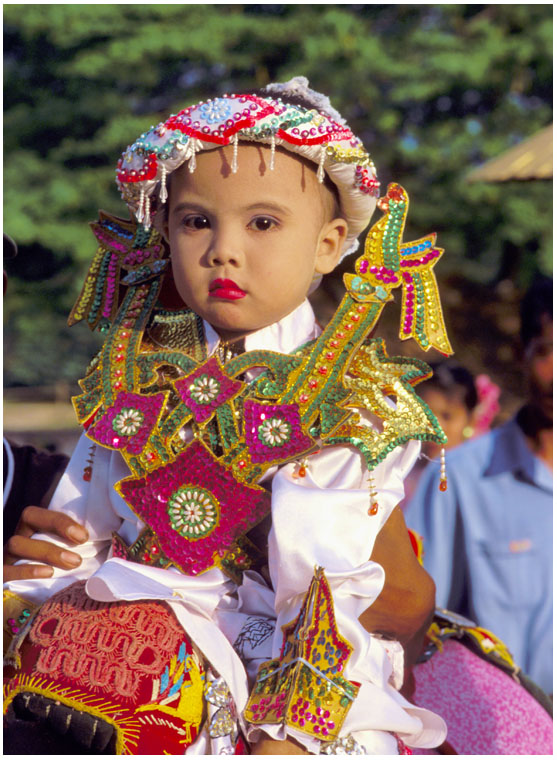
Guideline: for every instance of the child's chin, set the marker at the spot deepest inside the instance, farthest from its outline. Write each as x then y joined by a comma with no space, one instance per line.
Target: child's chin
231,332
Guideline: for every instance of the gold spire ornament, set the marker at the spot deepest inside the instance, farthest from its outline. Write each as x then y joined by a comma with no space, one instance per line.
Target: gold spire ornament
388,263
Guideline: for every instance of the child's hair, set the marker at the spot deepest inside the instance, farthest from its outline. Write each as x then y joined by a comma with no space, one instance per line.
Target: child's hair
454,381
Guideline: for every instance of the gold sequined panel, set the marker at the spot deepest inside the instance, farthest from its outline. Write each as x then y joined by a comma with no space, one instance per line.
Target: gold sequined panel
178,331
305,688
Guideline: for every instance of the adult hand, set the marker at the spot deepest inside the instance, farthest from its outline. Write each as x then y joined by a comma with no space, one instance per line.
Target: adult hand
21,546
268,746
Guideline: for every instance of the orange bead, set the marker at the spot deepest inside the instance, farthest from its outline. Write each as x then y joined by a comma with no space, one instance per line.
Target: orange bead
302,471
373,509
443,485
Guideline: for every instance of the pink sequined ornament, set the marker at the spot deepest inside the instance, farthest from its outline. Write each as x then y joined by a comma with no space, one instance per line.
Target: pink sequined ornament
273,431
128,423
403,749
194,474
207,388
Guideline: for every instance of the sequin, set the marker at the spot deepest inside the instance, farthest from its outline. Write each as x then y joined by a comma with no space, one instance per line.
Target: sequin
207,388
132,416
193,512
278,435
274,432
128,421
204,390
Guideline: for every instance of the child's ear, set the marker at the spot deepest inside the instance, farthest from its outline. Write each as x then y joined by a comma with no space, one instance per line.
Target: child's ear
332,237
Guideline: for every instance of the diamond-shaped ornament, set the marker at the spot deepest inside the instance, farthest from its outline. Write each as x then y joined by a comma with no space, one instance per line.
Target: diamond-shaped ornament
207,388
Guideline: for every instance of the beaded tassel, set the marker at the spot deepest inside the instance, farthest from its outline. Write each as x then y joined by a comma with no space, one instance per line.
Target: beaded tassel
147,213
88,469
374,504
302,469
273,146
321,167
163,194
235,154
140,208
192,165
443,477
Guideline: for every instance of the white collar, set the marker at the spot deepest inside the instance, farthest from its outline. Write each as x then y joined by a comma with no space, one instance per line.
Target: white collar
283,336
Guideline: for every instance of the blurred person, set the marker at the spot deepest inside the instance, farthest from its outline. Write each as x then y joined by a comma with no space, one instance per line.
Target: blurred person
452,396
30,477
488,538
464,405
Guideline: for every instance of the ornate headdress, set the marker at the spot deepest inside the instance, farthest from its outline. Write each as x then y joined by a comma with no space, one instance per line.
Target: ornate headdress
318,133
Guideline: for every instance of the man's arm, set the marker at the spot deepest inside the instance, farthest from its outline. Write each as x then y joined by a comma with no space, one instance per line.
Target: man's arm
21,546
267,746
404,608
437,517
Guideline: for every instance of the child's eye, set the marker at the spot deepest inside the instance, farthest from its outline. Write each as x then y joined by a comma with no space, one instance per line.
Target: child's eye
263,223
196,222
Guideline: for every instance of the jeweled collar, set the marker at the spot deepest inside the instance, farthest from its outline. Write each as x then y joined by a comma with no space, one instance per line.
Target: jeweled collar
258,409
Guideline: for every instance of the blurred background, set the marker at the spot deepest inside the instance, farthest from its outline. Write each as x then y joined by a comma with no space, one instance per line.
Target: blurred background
434,91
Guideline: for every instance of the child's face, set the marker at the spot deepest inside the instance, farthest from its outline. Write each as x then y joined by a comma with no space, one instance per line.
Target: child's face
453,415
245,246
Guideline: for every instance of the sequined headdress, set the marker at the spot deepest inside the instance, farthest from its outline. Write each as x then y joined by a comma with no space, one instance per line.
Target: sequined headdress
319,134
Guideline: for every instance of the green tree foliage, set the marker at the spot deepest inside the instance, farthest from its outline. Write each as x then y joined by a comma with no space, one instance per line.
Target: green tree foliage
433,90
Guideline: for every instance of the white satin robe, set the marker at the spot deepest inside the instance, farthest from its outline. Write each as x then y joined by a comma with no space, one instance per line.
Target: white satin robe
319,520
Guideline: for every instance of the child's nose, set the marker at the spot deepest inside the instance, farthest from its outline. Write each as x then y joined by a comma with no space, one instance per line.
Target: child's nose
226,248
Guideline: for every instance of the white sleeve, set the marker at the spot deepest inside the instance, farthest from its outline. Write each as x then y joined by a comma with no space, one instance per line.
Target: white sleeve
95,504
324,520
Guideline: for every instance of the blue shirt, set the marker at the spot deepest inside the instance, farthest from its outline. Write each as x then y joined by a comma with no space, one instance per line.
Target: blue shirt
488,542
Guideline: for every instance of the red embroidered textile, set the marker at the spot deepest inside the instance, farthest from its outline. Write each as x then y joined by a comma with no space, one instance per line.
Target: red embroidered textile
129,663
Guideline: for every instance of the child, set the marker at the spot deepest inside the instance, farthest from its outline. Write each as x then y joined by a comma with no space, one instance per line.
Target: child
465,406
224,478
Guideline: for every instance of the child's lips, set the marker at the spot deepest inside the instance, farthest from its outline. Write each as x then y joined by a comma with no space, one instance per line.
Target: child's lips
226,289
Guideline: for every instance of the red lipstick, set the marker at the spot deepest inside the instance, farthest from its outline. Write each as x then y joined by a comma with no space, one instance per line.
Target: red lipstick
226,289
